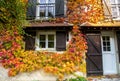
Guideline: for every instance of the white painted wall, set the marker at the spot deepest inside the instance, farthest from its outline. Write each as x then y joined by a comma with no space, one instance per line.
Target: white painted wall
39,75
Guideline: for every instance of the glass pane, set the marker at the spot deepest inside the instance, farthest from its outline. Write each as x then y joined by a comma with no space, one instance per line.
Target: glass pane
107,38
108,49
42,38
42,1
104,49
51,1
114,11
42,44
51,11
42,41
104,43
50,37
118,1
50,44
108,43
47,8
112,1
103,38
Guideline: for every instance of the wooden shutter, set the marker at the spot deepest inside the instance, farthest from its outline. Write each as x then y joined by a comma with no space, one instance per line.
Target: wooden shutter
107,10
30,41
60,40
94,55
31,9
118,41
59,8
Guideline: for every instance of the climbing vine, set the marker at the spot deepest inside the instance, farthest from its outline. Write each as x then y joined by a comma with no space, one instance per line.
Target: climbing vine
13,55
80,11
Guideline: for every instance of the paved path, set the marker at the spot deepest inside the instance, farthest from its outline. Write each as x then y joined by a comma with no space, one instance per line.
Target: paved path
105,78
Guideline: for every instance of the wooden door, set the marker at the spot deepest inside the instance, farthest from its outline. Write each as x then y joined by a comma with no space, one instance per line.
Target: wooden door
94,55
108,53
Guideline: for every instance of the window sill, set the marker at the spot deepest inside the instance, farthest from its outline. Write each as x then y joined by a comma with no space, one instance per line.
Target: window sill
44,18
49,50
45,49
117,19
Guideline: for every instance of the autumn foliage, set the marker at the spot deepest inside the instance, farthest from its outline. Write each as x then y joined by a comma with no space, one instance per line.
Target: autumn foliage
13,55
80,11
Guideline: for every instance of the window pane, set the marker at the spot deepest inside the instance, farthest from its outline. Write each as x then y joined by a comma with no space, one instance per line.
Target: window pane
50,41
42,37
108,49
114,11
51,11
50,44
106,43
118,1
42,1
103,38
50,37
112,1
42,45
51,1
104,48
42,41
107,38
47,8
42,11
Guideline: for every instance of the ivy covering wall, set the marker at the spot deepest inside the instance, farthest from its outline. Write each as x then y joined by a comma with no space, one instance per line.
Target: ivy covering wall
13,55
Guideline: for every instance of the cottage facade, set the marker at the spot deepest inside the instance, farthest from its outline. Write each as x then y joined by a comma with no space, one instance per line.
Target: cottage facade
103,38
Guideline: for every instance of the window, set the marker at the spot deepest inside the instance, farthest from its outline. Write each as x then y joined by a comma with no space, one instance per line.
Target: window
114,11
115,5
46,41
118,1
106,43
45,9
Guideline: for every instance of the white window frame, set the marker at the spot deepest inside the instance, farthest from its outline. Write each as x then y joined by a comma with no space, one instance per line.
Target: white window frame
109,34
45,33
38,10
117,11
106,45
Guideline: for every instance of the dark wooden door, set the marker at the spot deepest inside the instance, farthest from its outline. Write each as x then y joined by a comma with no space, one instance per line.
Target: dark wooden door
94,55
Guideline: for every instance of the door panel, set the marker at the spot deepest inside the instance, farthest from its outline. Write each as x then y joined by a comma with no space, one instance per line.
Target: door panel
109,54
94,54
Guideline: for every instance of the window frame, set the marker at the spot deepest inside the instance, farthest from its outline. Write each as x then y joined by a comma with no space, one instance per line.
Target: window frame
112,41
46,33
47,4
106,46
115,5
